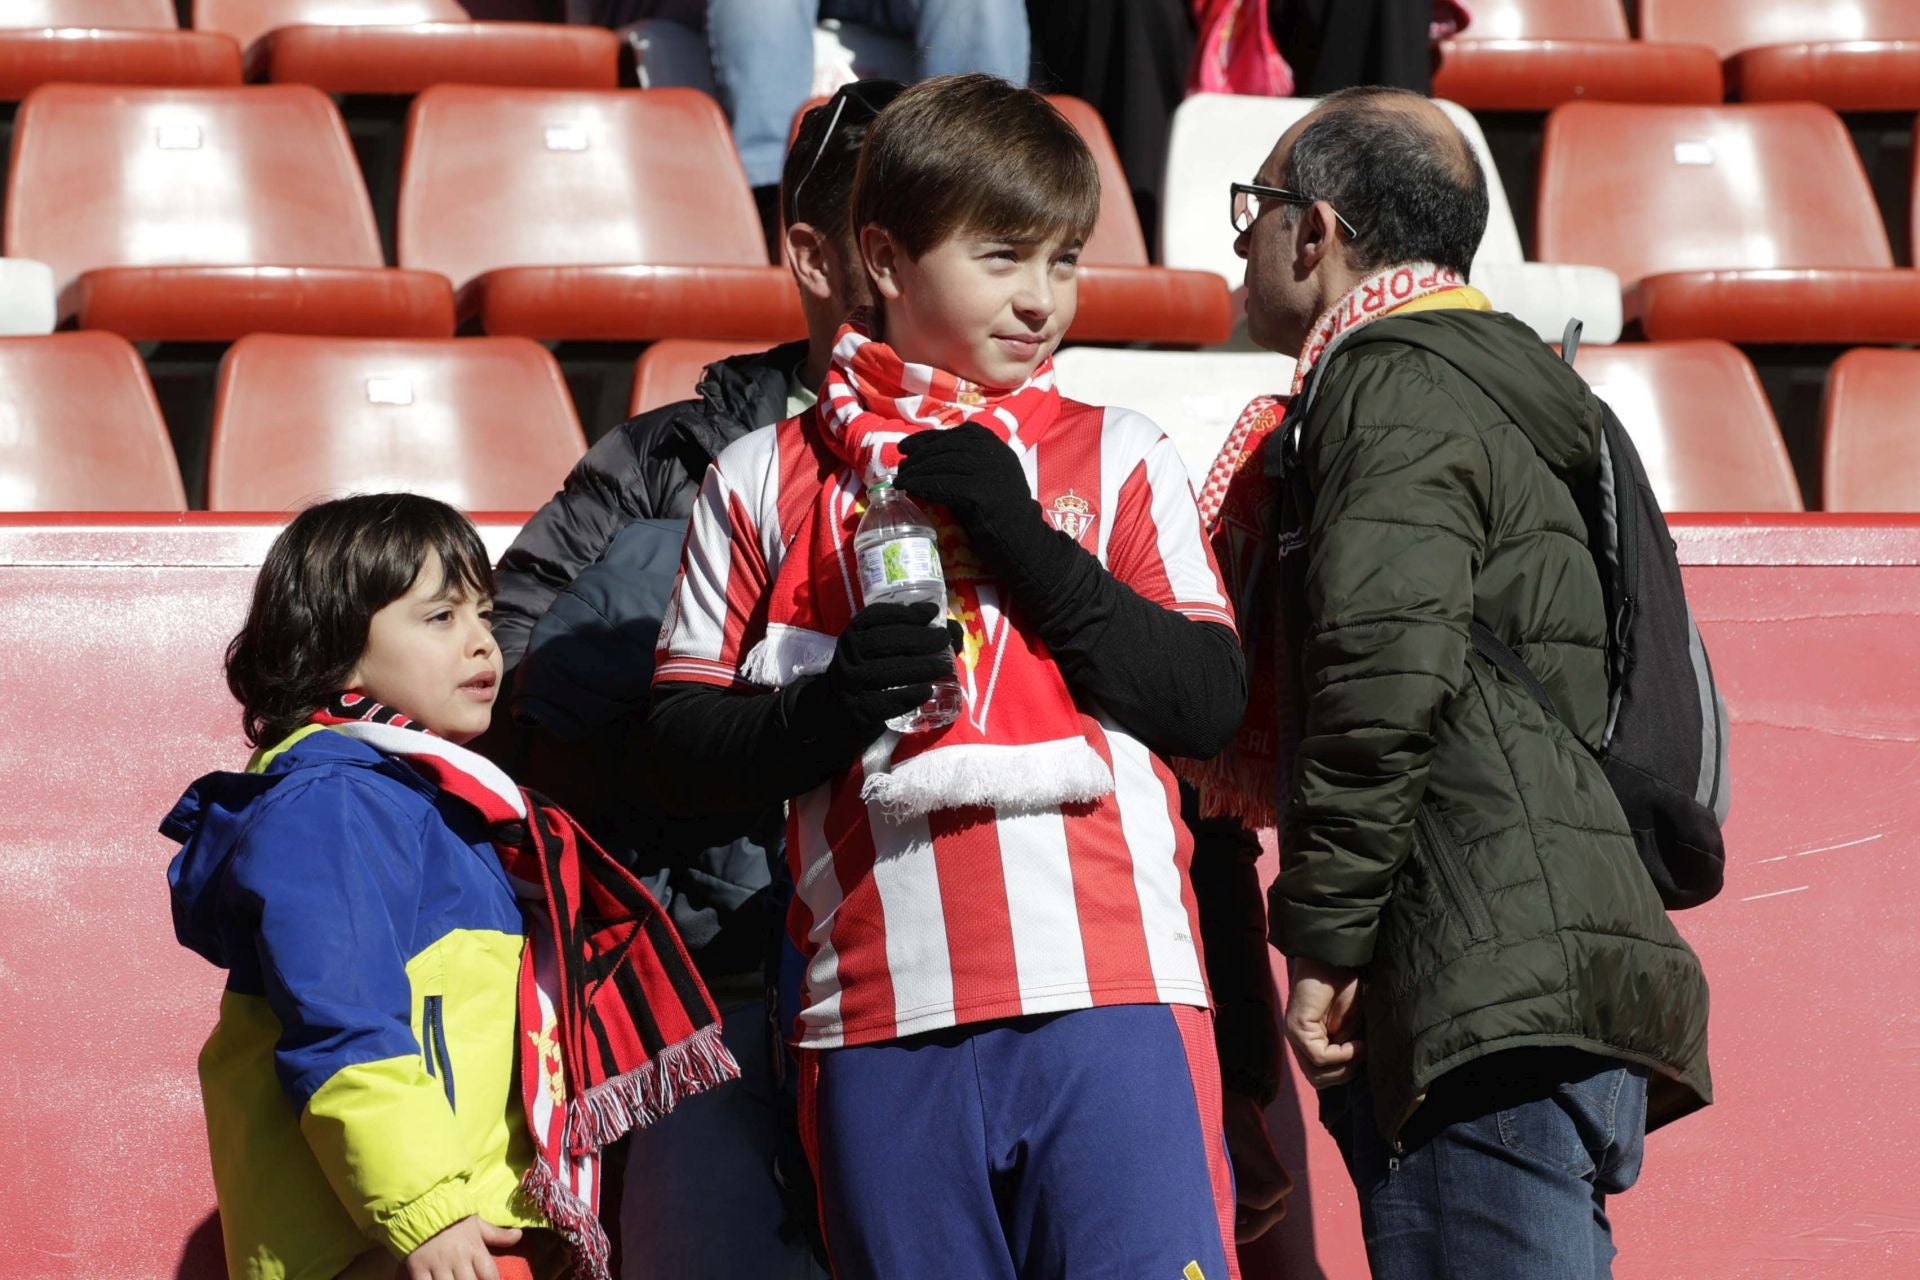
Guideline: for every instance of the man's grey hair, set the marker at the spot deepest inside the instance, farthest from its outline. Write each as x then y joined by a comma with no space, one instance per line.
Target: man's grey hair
1412,187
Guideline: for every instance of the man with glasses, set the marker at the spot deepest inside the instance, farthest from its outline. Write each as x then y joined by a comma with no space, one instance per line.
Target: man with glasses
1485,987
580,593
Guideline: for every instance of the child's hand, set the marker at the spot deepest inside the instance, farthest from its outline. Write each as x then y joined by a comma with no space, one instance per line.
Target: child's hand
461,1252
969,471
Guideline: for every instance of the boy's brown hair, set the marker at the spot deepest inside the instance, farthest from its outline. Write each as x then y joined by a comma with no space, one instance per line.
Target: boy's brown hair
974,155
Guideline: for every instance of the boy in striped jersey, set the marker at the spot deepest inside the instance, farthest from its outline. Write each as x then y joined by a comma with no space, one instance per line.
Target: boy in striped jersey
1010,1072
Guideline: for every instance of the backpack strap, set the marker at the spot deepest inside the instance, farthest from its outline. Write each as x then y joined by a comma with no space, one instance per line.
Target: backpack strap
1570,340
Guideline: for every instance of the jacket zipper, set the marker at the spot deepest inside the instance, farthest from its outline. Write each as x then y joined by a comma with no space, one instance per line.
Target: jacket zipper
1459,885
439,1063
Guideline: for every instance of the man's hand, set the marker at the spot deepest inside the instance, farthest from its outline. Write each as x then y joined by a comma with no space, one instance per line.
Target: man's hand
1322,1022
461,1252
1260,1183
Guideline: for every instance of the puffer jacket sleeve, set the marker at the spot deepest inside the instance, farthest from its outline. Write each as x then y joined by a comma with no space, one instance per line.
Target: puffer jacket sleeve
1395,537
600,496
330,876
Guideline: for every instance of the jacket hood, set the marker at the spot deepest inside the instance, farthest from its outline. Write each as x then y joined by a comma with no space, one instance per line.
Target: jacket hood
1537,390
740,394
212,815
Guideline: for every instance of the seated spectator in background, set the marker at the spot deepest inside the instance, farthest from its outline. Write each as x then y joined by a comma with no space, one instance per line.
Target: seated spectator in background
701,1201
1340,44
360,884
1008,1053
1130,59
762,53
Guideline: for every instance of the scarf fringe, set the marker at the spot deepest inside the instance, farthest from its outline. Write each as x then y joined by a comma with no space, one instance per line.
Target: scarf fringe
617,1106
785,654
1232,786
575,1220
1013,779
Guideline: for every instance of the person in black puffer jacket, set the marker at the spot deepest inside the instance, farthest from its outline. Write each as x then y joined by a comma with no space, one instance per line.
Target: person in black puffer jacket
579,600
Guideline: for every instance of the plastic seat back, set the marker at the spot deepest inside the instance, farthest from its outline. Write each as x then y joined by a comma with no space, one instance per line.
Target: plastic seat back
669,371
1649,189
483,423
80,429
1547,20
1193,396
105,176
1221,138
533,177
248,20
1701,422
1871,449
1117,240
1729,26
142,15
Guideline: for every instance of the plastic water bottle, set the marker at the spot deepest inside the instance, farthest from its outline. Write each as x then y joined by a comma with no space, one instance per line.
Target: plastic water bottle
899,555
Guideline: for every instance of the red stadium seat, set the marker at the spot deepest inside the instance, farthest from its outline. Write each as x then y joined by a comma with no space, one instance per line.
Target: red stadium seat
611,215
483,423
1872,449
402,46
106,42
669,371
1533,55
205,214
1851,55
1122,298
80,429
1701,422
1748,223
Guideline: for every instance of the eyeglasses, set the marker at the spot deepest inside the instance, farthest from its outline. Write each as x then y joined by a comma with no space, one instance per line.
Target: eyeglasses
869,99
1249,196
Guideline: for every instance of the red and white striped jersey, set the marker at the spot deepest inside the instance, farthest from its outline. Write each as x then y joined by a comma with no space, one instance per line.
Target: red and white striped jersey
968,915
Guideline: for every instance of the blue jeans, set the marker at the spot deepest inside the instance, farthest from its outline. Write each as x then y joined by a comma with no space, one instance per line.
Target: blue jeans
763,56
1504,1172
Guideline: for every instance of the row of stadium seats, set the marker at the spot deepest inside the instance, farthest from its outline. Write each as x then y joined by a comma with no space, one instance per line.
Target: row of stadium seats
1517,55
487,423
395,47
623,215
1533,55
609,215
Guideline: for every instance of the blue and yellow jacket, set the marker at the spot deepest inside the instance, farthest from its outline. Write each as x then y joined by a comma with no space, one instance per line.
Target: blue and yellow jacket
361,1086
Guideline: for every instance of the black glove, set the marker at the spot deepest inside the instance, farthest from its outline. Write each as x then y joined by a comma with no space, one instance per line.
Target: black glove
973,474
884,665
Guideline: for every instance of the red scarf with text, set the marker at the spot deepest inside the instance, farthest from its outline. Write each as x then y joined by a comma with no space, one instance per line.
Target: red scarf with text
615,1025
1241,509
1018,744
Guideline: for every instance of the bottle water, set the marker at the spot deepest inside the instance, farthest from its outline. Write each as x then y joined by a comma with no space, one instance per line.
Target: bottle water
899,557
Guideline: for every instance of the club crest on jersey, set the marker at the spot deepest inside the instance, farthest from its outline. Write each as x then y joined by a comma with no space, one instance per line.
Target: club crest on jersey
1072,515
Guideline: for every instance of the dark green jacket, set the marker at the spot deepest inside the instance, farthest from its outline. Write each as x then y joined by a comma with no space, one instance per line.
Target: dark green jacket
1444,835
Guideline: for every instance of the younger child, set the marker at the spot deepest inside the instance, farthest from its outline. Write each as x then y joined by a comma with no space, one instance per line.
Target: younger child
1010,1068
421,1047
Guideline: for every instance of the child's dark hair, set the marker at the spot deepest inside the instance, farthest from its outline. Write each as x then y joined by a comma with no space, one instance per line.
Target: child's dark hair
326,575
974,154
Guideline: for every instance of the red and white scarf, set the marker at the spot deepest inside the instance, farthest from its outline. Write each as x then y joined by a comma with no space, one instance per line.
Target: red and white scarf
1252,777
615,1026
1018,744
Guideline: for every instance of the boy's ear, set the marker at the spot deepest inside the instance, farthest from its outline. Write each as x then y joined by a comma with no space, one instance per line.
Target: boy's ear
807,254
882,256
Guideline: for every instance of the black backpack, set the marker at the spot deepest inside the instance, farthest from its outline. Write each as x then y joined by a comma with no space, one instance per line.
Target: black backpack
1664,747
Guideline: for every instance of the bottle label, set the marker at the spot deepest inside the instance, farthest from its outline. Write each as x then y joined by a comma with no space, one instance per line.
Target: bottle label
903,562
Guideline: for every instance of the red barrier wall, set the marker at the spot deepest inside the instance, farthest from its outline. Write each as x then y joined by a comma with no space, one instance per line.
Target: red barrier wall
1809,1166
